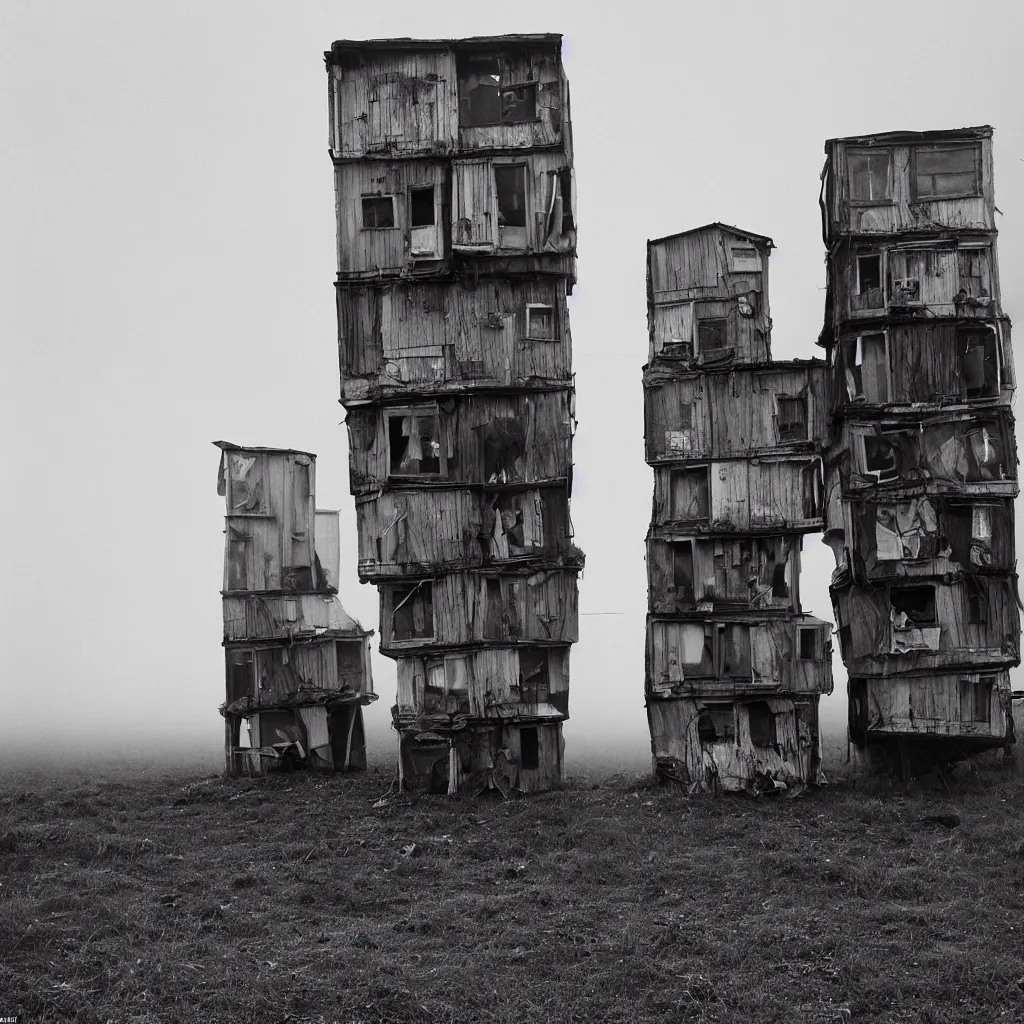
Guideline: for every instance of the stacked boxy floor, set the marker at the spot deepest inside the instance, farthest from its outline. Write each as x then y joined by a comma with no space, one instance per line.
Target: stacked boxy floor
734,669
298,668
456,250
922,471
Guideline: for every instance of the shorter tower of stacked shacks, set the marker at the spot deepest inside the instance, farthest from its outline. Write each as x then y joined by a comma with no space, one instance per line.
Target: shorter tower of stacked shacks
922,472
456,251
297,667
735,670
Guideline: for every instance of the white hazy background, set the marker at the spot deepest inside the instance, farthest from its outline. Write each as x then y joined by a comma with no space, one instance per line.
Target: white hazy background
168,268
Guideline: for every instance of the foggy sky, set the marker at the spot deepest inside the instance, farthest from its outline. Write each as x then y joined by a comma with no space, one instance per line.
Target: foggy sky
168,281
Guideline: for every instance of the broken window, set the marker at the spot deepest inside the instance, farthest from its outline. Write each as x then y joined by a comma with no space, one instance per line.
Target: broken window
510,181
712,334
917,603
533,675
412,611
414,443
979,363
682,570
733,649
697,656
717,722
946,171
241,675
690,493
880,460
484,100
812,490
975,700
681,440
540,322
744,259
809,644
421,207
792,421
972,277
867,368
762,724
869,276
529,748
378,211
565,188
984,452
869,175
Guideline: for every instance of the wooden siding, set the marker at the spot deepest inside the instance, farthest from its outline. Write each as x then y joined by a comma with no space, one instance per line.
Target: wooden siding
260,616
414,531
434,337
933,705
369,252
725,415
957,453
477,608
755,496
479,684
475,227
270,521
695,657
516,439
327,543
699,575
736,762
875,639
394,104
903,211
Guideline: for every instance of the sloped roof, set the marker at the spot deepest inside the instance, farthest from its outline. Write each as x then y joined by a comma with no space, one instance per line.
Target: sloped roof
468,42
902,137
739,232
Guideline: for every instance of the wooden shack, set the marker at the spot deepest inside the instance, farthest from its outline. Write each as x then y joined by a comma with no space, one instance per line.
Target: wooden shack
456,229
921,470
297,666
735,669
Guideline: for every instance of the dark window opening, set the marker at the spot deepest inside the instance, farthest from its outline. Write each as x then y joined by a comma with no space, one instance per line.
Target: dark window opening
378,211
979,363
690,493
984,452
421,207
415,447
845,640
540,323
712,334
565,187
519,103
682,570
717,723
734,649
869,176
762,724
793,418
916,603
511,185
493,611
812,491
533,675
977,602
975,700
869,274
479,91
529,748
808,645
945,171
412,612
241,675
780,588
880,458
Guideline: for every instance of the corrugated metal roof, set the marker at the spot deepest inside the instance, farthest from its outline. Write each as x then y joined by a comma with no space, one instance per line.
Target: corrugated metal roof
752,236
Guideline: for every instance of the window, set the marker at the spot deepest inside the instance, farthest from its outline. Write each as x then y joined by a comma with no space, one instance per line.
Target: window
979,363
412,611
414,443
529,748
533,675
733,649
485,100
682,570
493,608
681,440
510,181
762,724
946,171
241,675
349,658
984,452
869,273
880,459
917,604
867,368
421,207
975,700
809,645
811,491
744,259
869,175
717,723
973,272
712,334
792,421
540,322
977,601
378,211
690,493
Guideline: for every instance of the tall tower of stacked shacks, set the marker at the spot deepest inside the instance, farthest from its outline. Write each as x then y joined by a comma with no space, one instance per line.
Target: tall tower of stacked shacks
734,668
922,473
297,667
456,251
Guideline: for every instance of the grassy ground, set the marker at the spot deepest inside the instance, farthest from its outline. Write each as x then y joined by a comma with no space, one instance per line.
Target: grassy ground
292,899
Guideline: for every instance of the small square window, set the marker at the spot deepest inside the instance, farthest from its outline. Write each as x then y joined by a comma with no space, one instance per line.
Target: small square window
519,103
378,211
421,207
717,722
869,176
916,604
540,322
414,443
712,334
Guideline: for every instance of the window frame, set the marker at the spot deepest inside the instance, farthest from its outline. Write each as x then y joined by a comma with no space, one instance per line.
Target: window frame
857,341
804,398
503,86
974,145
912,624
423,187
395,411
413,587
880,256
699,349
393,226
886,200
530,307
